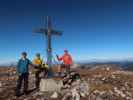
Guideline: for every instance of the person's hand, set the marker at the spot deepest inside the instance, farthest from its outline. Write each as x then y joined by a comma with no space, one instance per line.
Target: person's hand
18,74
57,56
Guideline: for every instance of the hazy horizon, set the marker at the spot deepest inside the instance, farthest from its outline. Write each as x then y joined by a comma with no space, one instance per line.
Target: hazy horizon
5,63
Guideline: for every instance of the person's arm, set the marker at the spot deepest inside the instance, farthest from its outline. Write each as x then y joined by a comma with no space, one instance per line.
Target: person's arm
31,66
18,67
59,58
29,62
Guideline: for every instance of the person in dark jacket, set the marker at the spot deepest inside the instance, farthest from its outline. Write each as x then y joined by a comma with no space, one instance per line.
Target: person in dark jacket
23,73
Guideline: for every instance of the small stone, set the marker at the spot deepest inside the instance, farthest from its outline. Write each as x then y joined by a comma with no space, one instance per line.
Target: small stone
75,94
82,94
0,84
54,95
107,68
67,96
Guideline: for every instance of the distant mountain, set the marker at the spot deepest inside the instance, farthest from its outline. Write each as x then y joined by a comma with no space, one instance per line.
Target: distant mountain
8,64
129,66
125,64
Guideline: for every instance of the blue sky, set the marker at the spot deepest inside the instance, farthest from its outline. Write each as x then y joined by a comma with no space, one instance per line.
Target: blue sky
92,29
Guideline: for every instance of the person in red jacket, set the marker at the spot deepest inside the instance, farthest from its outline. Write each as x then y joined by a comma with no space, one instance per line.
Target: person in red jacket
67,61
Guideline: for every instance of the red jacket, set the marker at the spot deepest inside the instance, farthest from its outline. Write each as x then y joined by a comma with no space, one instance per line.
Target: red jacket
66,58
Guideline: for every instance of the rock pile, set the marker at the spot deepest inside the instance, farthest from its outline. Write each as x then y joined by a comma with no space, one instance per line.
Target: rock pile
101,83
77,90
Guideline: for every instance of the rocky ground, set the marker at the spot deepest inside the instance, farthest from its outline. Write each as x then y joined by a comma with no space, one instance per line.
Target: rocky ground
102,82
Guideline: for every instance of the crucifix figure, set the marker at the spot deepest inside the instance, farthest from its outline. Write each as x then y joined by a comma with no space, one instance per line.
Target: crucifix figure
48,32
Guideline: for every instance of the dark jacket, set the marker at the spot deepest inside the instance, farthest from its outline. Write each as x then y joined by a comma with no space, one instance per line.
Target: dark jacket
22,66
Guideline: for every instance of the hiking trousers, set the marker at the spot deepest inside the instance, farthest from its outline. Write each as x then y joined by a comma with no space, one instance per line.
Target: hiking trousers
66,68
23,78
37,78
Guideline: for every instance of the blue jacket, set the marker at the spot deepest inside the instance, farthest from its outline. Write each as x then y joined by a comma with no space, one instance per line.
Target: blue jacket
22,66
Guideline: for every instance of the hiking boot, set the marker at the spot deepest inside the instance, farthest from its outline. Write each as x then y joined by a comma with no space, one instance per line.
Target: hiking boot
26,92
18,94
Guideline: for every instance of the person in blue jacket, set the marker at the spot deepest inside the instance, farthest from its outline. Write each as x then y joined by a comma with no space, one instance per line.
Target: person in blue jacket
23,73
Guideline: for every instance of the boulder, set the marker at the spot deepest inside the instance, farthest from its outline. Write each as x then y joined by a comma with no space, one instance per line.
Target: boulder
50,85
